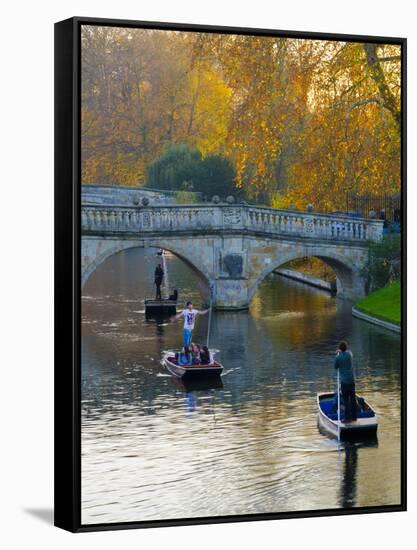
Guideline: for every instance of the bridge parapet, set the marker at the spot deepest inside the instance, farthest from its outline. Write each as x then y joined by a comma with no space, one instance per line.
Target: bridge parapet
111,220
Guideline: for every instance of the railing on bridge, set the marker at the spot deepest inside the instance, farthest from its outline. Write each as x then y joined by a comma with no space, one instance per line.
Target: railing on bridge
109,220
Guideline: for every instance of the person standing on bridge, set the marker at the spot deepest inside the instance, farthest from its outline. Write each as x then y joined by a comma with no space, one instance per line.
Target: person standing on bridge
159,277
189,314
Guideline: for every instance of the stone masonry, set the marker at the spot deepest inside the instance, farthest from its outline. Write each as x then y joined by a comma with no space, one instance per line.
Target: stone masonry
233,247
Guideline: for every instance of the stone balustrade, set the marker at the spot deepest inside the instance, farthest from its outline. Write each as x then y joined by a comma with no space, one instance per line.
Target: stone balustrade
111,220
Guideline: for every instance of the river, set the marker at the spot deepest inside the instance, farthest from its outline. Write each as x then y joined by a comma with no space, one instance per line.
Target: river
152,449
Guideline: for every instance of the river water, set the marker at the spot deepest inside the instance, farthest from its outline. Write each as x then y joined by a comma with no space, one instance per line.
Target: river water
152,449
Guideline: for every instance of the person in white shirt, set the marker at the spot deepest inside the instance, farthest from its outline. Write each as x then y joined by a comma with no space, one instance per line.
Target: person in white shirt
189,314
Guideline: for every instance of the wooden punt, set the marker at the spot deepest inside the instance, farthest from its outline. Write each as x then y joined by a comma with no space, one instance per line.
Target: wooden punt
365,426
160,308
191,371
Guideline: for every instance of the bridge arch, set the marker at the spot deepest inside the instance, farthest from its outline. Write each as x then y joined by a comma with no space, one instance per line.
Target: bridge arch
96,251
345,270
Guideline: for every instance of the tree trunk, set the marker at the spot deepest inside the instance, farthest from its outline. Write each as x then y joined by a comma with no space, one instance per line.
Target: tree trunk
378,76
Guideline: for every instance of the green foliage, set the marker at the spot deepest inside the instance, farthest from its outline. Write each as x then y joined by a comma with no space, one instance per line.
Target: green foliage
384,263
175,169
183,168
384,303
215,176
186,197
279,200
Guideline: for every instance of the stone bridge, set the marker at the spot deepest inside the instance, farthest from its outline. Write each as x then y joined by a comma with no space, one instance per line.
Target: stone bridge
233,247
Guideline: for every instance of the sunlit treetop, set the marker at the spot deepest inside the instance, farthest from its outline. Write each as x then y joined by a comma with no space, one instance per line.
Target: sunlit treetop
301,120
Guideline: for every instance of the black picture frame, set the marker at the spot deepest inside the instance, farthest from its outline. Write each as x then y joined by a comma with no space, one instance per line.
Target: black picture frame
67,274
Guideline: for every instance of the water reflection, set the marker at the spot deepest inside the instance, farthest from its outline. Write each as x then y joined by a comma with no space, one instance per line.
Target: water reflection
150,444
348,487
212,383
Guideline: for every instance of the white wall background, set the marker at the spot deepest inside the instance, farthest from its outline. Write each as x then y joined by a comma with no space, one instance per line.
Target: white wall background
26,274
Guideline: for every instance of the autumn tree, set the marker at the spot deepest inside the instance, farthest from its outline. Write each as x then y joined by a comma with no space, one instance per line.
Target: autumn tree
300,120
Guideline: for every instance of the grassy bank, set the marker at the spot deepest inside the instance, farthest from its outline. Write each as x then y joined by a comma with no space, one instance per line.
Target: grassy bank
384,303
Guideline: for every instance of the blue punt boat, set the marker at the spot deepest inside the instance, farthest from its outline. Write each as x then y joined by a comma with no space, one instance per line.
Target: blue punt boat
365,426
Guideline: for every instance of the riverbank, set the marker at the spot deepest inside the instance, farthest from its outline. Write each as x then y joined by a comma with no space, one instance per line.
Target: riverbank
307,279
382,307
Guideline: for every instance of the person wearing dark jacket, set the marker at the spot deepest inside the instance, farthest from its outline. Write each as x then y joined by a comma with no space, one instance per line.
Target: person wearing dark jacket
159,276
344,364
206,356
174,296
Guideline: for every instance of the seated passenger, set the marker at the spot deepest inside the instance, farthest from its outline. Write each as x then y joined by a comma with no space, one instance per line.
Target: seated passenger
185,357
195,352
206,356
173,296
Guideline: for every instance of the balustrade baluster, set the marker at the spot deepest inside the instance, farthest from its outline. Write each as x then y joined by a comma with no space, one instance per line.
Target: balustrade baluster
127,219
119,219
111,217
94,224
108,216
122,220
90,219
83,219
97,219
308,226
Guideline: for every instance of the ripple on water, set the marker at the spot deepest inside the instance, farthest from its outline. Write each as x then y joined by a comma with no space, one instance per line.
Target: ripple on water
151,449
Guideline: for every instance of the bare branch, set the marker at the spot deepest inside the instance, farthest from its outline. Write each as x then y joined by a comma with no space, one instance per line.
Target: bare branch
391,58
365,102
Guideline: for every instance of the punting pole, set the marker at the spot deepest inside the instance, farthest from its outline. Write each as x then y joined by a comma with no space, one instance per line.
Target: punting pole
164,267
209,319
338,405
339,446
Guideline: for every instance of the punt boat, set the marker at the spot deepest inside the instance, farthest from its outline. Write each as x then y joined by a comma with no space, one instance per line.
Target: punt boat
365,426
191,371
160,308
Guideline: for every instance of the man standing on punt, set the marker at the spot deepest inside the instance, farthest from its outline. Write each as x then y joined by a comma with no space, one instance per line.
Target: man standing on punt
158,278
343,362
189,314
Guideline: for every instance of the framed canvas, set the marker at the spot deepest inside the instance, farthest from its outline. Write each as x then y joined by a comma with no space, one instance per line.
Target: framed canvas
230,274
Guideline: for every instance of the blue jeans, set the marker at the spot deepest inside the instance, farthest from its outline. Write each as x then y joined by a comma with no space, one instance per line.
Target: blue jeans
186,337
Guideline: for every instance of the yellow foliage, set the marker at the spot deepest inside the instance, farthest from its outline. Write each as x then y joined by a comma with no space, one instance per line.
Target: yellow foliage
309,118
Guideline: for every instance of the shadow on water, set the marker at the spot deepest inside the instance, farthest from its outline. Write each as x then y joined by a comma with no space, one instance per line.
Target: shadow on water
348,485
203,384
159,322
